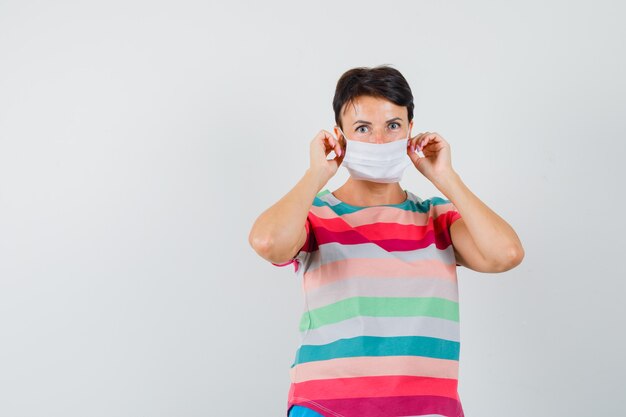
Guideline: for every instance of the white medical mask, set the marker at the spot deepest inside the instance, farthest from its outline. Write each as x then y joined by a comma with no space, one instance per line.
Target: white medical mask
384,162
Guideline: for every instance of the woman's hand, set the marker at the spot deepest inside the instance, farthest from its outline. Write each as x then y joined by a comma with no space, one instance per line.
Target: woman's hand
321,145
437,162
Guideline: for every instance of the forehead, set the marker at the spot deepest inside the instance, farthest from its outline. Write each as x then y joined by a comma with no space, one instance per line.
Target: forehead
372,109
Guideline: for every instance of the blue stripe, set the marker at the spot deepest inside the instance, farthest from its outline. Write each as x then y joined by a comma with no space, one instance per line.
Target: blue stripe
299,411
431,347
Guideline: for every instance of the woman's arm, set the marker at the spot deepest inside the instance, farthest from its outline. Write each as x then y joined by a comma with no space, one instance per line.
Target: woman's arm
482,240
279,232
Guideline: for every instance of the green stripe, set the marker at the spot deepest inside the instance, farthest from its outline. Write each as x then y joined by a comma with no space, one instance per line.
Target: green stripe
324,192
380,307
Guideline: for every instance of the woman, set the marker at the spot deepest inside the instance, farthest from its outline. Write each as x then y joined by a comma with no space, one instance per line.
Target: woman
380,327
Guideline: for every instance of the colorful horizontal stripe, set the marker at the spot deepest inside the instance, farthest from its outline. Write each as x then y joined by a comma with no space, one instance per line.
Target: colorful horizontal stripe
372,268
300,411
383,327
331,252
379,306
392,406
380,346
380,329
365,286
376,366
378,386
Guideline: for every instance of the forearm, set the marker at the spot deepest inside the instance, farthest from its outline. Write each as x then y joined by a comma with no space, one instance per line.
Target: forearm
277,230
493,236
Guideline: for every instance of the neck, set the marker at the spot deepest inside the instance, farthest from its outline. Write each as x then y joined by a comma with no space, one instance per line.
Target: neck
369,193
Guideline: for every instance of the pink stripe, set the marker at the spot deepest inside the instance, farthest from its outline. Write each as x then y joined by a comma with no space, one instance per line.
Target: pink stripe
377,268
368,287
375,366
323,212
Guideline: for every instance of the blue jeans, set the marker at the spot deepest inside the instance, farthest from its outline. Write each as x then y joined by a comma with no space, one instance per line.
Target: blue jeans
299,411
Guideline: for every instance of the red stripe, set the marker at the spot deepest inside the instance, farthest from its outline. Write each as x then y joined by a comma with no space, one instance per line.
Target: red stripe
376,386
391,237
336,230
444,226
442,240
382,230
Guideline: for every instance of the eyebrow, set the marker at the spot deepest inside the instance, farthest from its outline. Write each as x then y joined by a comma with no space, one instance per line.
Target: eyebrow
369,123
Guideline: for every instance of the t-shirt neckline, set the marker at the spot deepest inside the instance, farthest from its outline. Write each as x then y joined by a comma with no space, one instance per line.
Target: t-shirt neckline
336,201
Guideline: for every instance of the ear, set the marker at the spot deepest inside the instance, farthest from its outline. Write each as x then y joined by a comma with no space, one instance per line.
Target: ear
339,136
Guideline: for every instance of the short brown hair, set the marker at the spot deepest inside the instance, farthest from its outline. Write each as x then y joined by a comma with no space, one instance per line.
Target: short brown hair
381,81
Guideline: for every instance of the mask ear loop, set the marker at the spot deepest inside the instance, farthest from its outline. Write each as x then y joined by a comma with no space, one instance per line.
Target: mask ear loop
345,139
417,150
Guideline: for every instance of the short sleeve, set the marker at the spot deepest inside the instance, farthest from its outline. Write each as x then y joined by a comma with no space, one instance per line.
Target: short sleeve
452,216
302,255
446,214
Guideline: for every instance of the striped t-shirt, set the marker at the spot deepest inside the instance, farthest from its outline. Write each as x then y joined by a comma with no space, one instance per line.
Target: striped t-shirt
380,327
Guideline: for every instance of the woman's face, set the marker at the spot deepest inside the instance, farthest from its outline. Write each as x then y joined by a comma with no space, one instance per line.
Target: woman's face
375,120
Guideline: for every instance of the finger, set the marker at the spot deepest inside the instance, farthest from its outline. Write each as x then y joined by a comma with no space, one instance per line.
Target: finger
337,147
341,139
437,141
332,145
414,154
425,139
416,142
329,138
410,142
326,142
435,137
324,139
412,147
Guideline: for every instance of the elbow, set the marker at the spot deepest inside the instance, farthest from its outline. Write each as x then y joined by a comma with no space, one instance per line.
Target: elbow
516,256
512,258
261,245
266,249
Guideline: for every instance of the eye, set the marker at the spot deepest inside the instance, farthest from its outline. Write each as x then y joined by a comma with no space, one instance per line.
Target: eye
396,124
358,129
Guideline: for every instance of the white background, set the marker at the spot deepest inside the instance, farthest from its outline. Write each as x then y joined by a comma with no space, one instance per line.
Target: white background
139,141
